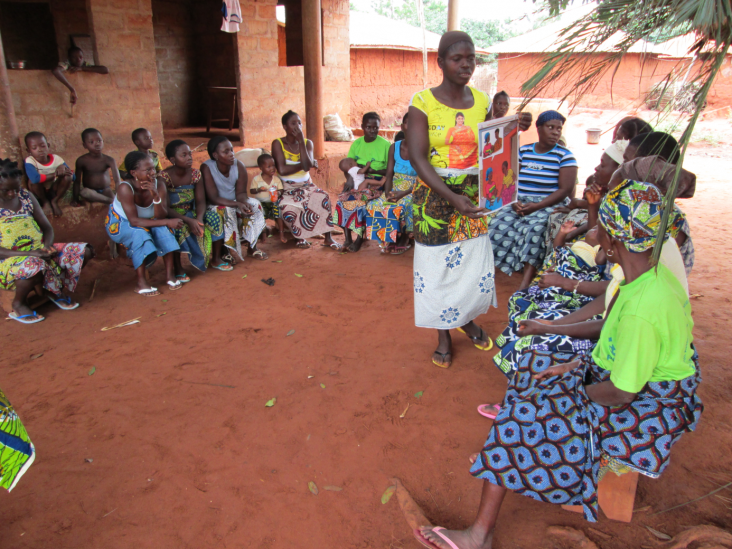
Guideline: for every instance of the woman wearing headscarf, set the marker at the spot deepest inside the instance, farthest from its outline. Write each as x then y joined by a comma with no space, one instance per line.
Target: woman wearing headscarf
453,259
546,178
563,421
576,210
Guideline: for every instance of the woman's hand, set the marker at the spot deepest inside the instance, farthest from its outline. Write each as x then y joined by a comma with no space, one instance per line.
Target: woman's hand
518,207
594,194
174,223
465,207
528,208
245,209
558,370
562,209
395,196
549,280
150,186
532,327
195,226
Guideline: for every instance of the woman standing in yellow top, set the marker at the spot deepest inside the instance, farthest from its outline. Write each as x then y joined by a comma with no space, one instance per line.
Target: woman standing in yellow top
453,258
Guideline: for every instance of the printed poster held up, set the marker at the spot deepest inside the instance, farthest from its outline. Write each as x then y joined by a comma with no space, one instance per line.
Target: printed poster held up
499,165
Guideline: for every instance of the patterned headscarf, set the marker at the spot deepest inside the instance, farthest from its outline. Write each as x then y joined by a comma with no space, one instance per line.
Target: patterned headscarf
548,116
617,150
631,213
654,169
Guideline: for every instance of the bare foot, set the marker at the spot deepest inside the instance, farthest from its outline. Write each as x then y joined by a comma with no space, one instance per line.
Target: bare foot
56,208
356,245
463,539
283,237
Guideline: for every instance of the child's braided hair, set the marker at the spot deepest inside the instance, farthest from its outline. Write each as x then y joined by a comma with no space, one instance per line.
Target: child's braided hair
9,169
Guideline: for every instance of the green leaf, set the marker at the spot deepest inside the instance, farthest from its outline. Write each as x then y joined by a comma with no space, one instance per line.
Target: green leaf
298,275
386,496
164,300
313,487
270,402
419,394
278,261
94,369
322,385
244,276
291,332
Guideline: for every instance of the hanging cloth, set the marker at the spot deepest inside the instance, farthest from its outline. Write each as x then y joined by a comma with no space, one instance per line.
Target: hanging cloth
231,10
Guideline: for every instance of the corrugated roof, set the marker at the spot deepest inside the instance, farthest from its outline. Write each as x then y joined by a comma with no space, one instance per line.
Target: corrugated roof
369,30
546,39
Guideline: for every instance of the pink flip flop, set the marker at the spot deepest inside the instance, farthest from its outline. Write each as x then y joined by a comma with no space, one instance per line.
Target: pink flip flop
427,543
489,415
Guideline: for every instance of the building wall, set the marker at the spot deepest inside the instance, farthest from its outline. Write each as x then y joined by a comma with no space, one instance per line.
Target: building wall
175,59
631,82
116,103
385,80
268,90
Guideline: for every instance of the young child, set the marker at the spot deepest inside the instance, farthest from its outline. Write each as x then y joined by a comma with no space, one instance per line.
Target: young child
92,181
49,176
75,63
144,142
371,147
264,187
356,175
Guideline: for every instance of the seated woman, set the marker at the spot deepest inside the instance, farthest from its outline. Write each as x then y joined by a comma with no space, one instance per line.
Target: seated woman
576,210
17,452
628,128
225,181
546,178
554,429
29,259
370,151
138,219
390,218
304,208
202,234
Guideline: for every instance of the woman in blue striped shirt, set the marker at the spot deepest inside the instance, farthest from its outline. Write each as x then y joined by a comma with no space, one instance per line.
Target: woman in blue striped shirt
546,178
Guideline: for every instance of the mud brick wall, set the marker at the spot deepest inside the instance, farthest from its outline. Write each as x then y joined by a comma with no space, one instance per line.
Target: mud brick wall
385,80
268,90
116,103
175,57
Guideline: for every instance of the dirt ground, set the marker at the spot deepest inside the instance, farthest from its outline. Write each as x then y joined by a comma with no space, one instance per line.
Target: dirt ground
169,443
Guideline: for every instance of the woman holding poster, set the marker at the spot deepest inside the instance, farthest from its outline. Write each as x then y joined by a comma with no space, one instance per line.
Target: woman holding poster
453,259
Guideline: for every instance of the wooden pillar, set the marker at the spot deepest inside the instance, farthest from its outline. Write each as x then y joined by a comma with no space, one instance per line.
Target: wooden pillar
312,51
453,15
9,136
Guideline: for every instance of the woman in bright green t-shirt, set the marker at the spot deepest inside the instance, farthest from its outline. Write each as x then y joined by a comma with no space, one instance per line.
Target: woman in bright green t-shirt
554,433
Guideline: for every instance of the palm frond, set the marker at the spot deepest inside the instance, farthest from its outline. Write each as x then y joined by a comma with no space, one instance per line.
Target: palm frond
613,27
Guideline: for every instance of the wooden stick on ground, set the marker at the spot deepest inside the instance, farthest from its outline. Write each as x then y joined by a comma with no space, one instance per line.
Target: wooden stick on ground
412,513
94,289
128,323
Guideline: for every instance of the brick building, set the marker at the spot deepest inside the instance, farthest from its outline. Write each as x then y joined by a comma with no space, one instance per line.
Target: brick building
162,57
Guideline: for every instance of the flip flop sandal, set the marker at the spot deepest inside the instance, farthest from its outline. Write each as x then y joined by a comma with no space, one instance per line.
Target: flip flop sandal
399,250
427,543
303,244
259,254
334,245
184,278
388,249
64,303
495,410
229,259
174,286
478,341
149,292
27,319
223,267
445,362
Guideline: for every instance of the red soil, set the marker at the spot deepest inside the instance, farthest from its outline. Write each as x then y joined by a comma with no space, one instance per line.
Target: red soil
185,453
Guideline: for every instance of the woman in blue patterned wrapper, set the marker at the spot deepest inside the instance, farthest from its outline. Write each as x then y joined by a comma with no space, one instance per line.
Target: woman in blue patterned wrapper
556,435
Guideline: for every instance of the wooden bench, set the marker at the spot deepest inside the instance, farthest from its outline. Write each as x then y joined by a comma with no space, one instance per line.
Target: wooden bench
615,495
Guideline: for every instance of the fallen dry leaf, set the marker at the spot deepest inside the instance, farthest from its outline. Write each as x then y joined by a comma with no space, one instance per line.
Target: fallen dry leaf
404,413
313,488
386,496
659,535
39,355
334,488
291,332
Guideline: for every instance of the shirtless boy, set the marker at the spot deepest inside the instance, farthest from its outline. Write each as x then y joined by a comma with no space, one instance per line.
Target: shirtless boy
92,171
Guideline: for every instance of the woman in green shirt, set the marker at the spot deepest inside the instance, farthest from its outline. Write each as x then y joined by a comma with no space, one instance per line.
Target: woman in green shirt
553,430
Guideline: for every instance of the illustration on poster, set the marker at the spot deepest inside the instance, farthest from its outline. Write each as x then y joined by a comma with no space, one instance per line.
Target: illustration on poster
498,163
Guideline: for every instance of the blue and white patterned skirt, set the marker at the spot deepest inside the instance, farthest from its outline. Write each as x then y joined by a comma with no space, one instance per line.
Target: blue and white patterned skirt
453,283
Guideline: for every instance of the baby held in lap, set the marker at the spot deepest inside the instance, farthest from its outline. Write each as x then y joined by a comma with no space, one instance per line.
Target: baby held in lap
356,176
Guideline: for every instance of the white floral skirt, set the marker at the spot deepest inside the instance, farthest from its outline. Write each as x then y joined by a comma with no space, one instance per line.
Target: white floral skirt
453,283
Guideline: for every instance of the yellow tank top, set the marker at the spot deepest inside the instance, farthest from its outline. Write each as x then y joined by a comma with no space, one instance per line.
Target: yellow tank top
291,159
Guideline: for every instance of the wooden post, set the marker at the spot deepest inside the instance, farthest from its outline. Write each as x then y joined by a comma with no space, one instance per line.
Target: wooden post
420,13
312,52
9,136
453,15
